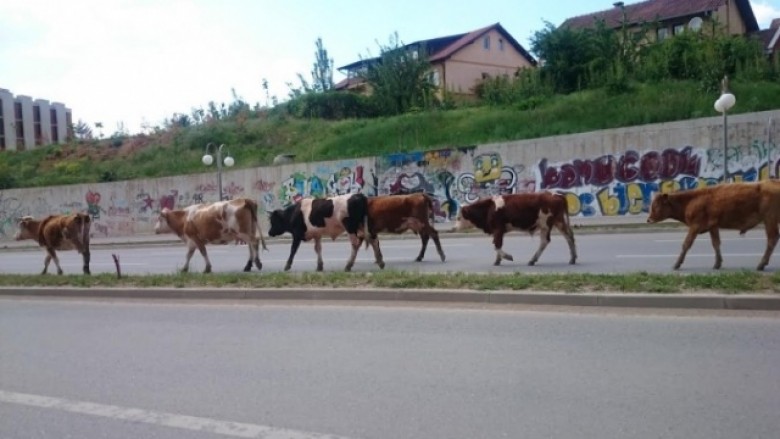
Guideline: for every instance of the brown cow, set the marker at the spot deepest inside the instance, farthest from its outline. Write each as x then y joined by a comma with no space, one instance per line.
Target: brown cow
58,232
528,212
216,223
399,213
739,206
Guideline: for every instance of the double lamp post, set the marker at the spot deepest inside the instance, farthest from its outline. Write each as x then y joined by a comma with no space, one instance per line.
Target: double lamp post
208,159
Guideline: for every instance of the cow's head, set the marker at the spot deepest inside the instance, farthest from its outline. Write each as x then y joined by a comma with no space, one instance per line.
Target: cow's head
462,220
662,208
162,226
278,223
27,228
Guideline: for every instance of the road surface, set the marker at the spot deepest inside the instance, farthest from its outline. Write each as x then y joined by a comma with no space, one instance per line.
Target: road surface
598,253
131,369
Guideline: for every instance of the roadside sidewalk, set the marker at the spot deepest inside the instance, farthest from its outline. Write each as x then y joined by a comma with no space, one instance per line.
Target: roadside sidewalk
755,302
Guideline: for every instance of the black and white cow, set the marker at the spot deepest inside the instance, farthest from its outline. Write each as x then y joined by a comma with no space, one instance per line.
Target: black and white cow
313,218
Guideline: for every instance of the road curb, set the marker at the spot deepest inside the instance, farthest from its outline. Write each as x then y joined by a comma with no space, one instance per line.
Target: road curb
633,300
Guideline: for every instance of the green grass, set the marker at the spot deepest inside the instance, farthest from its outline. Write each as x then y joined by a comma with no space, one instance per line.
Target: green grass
255,142
723,283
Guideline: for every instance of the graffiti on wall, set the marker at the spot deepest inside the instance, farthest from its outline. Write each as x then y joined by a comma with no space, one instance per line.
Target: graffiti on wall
624,184
326,180
454,177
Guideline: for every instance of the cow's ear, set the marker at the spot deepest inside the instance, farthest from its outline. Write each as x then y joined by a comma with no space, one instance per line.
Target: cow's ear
665,198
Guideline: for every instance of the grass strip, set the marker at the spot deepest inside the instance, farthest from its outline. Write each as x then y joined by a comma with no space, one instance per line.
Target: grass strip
724,283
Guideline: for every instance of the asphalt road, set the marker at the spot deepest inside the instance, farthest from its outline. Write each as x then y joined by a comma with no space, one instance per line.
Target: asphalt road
129,369
598,253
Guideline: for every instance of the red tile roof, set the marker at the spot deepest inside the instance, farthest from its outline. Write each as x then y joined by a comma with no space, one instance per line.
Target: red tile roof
652,10
473,36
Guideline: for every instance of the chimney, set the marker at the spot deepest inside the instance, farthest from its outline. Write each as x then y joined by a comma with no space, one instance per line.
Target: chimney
618,4
775,23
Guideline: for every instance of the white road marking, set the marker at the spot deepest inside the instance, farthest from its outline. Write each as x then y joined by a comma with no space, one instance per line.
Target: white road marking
208,425
694,255
721,239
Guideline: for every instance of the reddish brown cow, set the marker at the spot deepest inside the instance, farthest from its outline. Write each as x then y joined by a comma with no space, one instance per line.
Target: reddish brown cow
216,223
529,212
58,232
399,213
739,206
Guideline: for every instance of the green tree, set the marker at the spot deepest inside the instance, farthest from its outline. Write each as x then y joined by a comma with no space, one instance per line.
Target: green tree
322,72
399,78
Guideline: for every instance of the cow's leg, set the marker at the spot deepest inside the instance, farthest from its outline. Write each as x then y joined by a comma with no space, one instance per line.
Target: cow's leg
568,233
772,236
202,249
318,250
424,238
544,240
498,242
86,258
252,243
355,242
435,236
46,262
53,255
378,258
687,243
190,251
296,242
715,238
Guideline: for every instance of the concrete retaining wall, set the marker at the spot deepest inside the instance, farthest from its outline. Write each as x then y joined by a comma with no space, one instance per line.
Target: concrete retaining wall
608,173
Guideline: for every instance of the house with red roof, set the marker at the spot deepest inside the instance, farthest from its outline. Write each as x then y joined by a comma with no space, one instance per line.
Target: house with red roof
671,17
458,62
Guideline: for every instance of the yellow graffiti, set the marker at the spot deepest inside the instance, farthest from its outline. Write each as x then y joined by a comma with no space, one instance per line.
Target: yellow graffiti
610,205
487,167
573,203
635,198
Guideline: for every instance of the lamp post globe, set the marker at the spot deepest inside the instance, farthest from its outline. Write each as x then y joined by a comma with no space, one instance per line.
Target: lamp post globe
208,159
229,161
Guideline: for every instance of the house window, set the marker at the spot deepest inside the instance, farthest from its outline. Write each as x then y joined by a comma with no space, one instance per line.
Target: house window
37,125
19,125
433,77
501,44
663,33
678,29
486,42
55,135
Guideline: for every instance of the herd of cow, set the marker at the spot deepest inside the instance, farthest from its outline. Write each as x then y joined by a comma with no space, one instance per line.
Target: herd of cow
739,206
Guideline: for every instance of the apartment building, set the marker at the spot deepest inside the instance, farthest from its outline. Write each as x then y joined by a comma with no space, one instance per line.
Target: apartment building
26,123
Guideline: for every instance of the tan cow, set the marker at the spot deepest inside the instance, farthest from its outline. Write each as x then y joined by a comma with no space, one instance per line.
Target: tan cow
739,206
215,223
58,232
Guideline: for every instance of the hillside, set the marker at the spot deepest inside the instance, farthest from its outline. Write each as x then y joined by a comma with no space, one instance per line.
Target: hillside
256,140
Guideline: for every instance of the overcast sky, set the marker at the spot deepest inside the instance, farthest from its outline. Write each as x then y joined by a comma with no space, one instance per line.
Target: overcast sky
139,61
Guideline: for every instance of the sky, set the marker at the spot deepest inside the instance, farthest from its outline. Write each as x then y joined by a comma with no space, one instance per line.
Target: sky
132,63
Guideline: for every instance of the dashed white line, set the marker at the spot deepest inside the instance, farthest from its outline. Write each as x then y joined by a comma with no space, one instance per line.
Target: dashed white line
195,423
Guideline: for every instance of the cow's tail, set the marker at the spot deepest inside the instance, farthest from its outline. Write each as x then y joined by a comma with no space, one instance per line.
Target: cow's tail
252,205
366,229
431,213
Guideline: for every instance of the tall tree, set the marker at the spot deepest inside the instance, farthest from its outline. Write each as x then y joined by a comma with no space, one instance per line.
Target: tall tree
322,72
400,78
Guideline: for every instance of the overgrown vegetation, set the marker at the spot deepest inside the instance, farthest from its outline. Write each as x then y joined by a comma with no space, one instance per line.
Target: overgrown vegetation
724,283
589,79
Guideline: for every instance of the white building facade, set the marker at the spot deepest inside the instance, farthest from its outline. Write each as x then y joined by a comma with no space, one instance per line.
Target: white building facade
26,123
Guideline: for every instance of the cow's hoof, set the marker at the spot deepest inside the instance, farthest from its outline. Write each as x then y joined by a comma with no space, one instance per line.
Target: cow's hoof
286,268
676,267
509,257
419,259
760,267
443,258
531,263
572,261
59,272
382,265
497,263
259,266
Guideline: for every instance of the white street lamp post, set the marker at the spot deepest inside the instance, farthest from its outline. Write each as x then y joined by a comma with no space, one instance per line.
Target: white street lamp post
208,159
723,105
